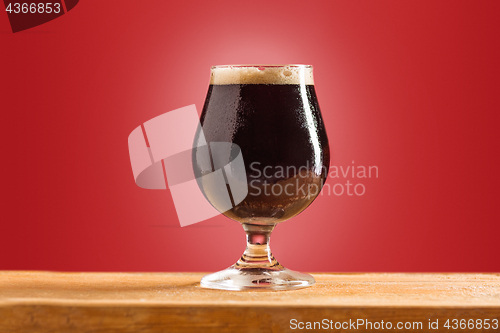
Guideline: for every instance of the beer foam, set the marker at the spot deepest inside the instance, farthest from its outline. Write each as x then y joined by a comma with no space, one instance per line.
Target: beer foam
263,74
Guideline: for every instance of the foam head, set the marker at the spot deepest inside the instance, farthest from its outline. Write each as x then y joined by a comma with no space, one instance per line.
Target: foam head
262,74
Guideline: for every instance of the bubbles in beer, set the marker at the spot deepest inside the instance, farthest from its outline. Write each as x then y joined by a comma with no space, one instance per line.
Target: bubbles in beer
262,74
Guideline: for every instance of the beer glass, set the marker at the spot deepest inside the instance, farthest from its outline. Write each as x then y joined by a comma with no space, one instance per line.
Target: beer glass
268,115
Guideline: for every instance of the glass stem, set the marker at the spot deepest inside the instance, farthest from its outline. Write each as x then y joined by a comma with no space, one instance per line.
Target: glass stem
258,253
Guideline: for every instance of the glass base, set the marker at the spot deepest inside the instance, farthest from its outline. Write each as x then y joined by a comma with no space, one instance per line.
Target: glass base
257,279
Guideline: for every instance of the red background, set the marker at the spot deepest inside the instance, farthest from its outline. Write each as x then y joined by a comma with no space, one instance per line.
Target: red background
409,86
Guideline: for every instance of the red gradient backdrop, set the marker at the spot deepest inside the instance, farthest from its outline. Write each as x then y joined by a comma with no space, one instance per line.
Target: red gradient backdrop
412,87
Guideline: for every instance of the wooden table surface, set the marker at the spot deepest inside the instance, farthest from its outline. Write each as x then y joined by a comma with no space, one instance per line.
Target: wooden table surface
175,302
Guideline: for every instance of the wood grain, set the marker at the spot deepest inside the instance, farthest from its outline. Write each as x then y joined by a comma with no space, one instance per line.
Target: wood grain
174,302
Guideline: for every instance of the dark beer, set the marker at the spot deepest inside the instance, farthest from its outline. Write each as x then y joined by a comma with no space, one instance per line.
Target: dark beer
275,119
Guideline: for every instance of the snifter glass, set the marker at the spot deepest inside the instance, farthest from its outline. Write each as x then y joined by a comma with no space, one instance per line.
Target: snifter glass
264,133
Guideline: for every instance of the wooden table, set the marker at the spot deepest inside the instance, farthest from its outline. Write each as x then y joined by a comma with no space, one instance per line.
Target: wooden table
174,302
